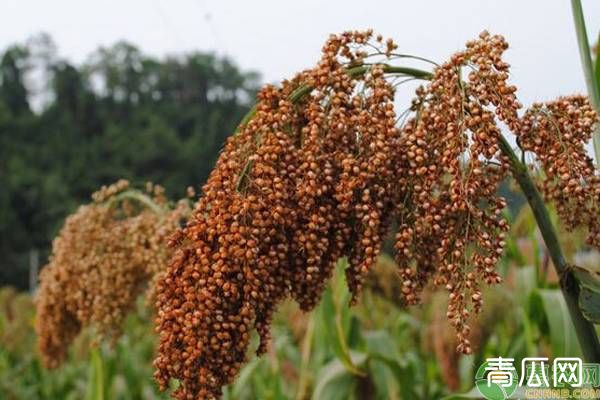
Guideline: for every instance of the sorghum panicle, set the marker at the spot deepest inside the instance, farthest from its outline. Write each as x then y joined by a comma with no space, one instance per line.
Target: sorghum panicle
451,229
313,178
291,193
557,132
102,259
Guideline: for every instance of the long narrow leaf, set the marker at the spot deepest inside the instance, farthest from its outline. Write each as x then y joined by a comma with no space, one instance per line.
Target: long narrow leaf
597,66
588,70
562,335
96,376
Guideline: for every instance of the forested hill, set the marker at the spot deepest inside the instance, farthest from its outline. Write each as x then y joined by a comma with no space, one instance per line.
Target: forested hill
67,129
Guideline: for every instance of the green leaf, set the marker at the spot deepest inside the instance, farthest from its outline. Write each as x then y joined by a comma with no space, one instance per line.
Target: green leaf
96,376
597,67
380,343
335,382
384,367
588,277
382,349
336,318
589,302
589,292
386,386
335,332
562,335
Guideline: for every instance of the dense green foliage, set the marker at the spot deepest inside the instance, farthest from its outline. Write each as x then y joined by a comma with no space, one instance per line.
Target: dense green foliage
65,130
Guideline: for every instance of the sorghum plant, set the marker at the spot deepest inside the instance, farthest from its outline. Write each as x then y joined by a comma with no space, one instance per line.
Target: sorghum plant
322,167
106,254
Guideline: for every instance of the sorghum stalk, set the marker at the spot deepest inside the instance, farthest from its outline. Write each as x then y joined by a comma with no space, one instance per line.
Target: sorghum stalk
586,333
137,195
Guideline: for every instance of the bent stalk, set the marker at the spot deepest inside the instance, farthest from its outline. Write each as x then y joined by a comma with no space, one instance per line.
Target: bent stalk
354,71
586,333
132,194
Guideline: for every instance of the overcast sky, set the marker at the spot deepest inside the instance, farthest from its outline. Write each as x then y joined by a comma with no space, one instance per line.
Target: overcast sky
277,38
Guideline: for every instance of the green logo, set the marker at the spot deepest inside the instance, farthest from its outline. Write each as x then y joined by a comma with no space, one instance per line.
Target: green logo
497,379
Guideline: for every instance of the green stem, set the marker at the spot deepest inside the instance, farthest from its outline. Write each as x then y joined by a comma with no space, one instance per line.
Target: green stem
355,71
586,333
136,195
588,69
307,342
96,378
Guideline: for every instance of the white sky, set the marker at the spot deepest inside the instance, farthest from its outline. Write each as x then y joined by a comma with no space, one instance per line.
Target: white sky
278,38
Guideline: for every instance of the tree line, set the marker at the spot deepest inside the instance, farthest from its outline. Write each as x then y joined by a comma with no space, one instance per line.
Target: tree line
67,129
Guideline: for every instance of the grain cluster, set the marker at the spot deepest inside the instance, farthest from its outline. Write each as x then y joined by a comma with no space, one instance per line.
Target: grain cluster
107,253
323,170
